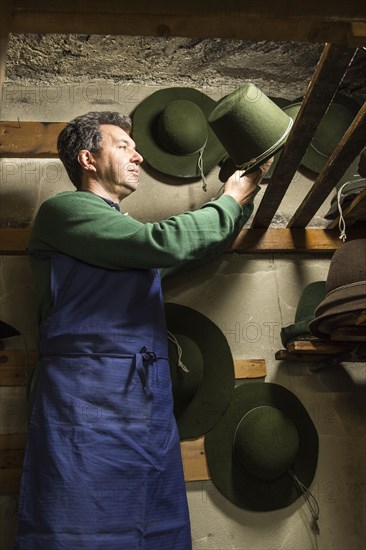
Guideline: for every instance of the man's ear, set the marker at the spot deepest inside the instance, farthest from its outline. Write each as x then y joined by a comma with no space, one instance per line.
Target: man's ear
86,160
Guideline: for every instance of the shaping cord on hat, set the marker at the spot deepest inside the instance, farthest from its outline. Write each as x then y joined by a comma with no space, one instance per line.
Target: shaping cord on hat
173,339
341,222
312,502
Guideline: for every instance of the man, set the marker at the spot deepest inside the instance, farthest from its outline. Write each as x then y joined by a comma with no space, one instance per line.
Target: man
103,467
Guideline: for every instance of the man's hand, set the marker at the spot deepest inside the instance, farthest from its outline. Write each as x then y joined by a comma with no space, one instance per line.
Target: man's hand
241,188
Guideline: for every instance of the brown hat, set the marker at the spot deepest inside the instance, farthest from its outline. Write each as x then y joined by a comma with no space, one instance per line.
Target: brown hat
345,288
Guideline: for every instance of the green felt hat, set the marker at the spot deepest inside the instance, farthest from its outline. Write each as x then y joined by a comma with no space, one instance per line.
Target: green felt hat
202,370
171,132
261,446
330,131
310,298
250,126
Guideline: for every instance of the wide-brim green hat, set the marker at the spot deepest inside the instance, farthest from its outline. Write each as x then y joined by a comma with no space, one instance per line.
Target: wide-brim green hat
251,127
330,131
202,373
310,298
262,448
171,132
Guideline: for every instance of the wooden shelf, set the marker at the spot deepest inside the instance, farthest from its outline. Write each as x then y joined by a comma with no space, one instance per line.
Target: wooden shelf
315,349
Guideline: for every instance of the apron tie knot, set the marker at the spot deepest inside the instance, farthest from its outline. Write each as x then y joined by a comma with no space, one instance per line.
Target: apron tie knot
142,360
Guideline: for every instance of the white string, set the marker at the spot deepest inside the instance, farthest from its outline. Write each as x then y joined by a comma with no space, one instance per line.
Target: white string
173,339
200,168
341,221
312,503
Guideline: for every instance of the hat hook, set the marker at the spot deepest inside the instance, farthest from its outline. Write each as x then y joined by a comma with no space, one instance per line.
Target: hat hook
173,339
311,500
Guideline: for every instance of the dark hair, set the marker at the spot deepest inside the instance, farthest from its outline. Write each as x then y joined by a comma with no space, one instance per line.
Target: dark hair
83,133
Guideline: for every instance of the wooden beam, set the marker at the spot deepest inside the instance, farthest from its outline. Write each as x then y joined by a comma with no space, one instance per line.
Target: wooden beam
343,155
327,77
317,241
29,139
309,22
14,241
15,365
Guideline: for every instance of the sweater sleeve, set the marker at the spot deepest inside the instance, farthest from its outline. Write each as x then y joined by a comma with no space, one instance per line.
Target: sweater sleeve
82,225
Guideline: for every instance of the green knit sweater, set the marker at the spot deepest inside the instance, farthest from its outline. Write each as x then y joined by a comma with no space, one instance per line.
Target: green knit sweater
84,226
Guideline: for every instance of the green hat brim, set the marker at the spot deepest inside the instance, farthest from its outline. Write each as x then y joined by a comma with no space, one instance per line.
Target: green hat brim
314,160
145,118
218,380
239,487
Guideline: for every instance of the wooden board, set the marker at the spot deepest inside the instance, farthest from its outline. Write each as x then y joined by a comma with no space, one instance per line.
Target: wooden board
330,70
312,21
317,347
14,241
15,366
29,139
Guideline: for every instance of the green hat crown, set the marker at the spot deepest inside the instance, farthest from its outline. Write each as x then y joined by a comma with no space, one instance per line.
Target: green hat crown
250,126
266,442
182,128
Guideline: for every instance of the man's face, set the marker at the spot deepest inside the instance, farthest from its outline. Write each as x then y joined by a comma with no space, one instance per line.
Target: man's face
117,162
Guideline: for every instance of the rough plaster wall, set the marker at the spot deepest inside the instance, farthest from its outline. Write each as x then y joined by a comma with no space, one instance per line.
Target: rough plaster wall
279,68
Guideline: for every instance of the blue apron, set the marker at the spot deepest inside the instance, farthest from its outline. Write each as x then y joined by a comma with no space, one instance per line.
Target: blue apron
103,468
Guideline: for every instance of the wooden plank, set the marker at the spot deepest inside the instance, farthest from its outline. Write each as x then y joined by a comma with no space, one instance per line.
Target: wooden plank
14,241
317,347
15,366
29,139
250,368
328,74
194,460
355,211
285,240
345,152
250,21
10,481
12,441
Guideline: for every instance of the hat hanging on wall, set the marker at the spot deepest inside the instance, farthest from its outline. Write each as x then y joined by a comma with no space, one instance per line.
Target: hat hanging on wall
202,370
345,297
171,132
310,298
330,131
251,127
262,453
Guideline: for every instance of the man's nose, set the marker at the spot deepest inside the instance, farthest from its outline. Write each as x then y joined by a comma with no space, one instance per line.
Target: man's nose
136,158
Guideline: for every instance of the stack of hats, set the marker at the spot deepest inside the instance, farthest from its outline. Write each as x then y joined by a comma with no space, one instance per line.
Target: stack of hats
345,299
261,444
310,298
